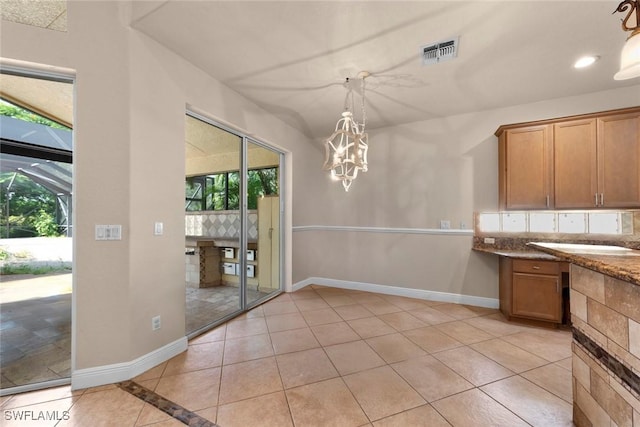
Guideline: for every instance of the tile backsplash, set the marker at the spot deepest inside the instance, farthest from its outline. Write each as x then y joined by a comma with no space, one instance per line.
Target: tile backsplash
575,222
220,224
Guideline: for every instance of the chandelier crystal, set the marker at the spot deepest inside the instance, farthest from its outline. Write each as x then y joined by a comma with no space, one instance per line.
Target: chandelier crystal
346,148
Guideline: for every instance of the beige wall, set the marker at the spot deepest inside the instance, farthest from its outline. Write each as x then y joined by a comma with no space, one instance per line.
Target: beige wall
129,168
420,173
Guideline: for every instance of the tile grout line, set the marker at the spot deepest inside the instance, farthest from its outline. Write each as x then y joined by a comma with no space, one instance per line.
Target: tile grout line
168,407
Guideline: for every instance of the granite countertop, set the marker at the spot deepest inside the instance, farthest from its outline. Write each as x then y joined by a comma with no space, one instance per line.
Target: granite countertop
521,254
623,264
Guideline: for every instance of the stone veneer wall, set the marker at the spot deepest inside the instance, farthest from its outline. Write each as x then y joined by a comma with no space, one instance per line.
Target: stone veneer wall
606,350
221,224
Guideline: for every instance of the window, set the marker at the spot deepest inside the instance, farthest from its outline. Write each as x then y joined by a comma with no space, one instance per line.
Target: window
221,191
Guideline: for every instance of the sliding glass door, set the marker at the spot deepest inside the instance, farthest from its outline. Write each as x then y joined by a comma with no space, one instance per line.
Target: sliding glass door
263,237
232,223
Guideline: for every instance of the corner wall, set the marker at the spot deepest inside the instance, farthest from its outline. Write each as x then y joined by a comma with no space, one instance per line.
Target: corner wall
421,173
131,95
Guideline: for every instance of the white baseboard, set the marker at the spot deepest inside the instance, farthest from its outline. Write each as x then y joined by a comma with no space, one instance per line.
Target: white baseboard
402,292
109,374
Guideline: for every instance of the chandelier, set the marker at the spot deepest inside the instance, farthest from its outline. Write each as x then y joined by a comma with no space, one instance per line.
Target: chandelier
630,58
346,149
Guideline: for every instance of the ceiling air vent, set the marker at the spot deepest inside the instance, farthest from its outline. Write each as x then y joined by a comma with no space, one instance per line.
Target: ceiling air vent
440,51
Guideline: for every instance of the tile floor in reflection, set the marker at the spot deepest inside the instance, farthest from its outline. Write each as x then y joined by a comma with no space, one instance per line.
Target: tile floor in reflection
331,357
208,305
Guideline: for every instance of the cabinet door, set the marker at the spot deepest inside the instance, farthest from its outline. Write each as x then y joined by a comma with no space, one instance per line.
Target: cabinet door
527,167
537,296
619,160
575,164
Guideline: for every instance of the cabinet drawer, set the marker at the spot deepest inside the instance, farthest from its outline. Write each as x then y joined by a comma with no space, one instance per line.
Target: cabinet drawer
538,267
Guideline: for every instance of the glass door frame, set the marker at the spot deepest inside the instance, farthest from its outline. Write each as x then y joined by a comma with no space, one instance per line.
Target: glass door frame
244,305
33,71
244,219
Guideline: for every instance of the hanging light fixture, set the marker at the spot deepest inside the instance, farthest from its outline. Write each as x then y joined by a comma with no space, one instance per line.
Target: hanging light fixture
346,149
630,57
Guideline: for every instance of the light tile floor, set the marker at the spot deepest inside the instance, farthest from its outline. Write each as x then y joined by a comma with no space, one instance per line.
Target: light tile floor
330,357
35,324
207,305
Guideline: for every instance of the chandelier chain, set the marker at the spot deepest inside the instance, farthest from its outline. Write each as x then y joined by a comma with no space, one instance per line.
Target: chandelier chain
364,116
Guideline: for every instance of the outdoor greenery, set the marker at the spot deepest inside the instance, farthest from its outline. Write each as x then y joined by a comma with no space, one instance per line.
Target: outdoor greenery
31,208
8,269
27,209
16,112
222,191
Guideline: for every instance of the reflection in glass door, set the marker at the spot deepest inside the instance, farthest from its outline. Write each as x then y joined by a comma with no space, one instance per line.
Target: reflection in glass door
232,223
212,223
36,227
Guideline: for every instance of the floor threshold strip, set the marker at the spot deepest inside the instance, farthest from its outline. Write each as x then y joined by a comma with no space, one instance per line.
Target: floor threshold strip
168,407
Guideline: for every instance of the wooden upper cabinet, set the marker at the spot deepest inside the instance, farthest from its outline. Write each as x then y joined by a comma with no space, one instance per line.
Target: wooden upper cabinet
526,171
580,162
619,160
575,164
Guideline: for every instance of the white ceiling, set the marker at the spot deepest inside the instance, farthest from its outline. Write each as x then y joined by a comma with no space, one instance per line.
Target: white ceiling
291,57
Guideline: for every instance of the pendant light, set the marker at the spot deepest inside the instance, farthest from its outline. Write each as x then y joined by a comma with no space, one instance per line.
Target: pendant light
630,57
346,148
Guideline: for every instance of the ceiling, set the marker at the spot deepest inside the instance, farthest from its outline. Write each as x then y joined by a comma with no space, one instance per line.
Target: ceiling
51,14
49,98
292,57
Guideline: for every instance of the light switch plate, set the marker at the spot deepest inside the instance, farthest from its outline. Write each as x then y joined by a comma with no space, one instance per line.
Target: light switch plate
158,229
108,232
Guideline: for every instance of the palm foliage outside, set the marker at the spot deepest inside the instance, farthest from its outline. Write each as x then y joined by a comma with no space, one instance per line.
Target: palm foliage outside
221,191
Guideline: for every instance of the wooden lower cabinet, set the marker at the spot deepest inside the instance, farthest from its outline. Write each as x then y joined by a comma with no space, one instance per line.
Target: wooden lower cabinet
531,290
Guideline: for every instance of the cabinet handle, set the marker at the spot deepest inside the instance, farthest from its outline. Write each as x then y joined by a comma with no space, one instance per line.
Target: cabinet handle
547,200
595,196
601,199
535,267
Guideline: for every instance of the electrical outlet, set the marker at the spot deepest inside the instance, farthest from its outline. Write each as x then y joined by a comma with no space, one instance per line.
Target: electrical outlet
490,240
463,225
155,323
445,224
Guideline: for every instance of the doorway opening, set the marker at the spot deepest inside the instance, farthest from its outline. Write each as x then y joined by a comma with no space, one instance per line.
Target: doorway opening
36,228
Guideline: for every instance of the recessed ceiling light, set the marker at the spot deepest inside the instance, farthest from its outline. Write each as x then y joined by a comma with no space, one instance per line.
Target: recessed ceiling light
585,61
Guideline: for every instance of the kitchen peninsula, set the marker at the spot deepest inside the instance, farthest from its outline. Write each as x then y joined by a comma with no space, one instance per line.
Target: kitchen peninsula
605,312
